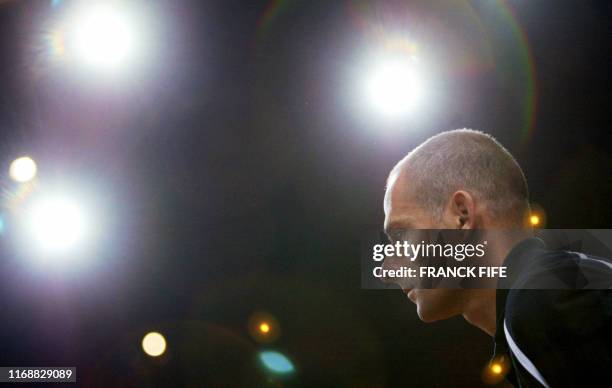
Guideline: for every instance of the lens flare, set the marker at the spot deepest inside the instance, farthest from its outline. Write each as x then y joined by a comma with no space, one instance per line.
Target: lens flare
23,169
154,344
276,362
264,328
496,368
536,218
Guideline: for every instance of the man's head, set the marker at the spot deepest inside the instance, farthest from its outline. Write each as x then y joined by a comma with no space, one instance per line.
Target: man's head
461,179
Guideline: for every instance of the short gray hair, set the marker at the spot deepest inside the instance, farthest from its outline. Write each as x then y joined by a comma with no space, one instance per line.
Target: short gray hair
465,159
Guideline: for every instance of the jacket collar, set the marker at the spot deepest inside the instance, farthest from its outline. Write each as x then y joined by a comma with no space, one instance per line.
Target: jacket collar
520,256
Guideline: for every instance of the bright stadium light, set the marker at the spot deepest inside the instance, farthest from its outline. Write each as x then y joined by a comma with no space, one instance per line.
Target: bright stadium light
102,34
394,87
23,169
56,224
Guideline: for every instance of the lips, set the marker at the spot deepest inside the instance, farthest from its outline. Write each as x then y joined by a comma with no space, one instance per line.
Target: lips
409,293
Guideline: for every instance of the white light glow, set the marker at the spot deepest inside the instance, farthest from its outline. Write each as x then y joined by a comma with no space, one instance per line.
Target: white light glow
154,344
102,35
23,169
56,224
394,87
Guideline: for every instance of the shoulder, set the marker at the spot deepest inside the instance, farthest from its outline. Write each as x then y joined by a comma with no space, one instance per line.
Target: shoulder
560,269
560,291
568,318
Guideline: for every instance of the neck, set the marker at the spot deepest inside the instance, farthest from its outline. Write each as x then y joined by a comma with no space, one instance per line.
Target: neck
480,310
480,304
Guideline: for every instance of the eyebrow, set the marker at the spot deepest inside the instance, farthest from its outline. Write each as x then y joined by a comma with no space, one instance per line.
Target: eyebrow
395,225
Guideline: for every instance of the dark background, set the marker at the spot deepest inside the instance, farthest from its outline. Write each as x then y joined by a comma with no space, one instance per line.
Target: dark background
238,175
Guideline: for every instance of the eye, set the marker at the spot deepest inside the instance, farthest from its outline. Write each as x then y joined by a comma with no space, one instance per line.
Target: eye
396,235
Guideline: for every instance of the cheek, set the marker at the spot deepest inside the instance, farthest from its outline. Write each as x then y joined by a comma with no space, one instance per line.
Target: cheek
395,263
448,222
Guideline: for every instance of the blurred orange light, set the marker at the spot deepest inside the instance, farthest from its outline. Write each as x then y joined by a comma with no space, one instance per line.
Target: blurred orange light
534,220
264,327
497,368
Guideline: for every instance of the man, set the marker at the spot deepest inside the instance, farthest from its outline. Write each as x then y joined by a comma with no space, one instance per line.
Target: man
465,179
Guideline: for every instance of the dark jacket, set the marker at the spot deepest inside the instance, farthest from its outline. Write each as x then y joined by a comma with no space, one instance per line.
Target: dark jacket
554,317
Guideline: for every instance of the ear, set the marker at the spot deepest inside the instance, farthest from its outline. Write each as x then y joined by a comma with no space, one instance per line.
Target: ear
462,209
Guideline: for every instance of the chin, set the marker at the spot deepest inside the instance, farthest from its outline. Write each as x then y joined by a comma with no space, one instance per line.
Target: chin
427,315
435,305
